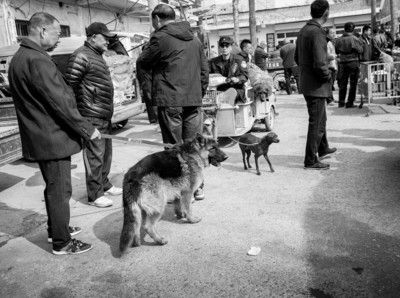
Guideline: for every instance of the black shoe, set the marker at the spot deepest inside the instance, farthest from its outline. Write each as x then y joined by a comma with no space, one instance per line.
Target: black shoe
340,105
317,166
350,105
328,151
74,247
72,231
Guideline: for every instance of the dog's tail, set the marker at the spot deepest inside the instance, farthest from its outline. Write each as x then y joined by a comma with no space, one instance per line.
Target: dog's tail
130,235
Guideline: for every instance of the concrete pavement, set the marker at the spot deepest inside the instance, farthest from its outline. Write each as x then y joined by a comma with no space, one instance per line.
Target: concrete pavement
322,234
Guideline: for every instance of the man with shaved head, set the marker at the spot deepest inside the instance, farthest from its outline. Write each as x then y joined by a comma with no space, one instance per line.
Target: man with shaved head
50,125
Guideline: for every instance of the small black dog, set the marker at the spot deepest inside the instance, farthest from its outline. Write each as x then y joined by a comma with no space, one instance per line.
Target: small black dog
258,147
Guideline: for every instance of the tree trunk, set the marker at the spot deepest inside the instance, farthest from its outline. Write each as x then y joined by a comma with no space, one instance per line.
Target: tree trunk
393,17
373,16
235,4
252,22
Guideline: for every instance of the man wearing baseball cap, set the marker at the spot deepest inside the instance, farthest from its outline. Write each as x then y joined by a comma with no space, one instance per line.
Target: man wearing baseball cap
231,66
90,78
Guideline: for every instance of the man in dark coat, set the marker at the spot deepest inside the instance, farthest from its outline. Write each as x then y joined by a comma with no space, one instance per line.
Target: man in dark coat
89,76
260,56
348,48
289,65
179,76
370,51
50,125
311,56
231,66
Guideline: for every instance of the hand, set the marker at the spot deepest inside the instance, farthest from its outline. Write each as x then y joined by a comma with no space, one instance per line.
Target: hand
96,134
235,80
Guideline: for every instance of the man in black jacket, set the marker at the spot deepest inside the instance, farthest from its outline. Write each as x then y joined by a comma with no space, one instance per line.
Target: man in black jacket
348,48
50,125
290,67
311,56
179,76
231,66
90,79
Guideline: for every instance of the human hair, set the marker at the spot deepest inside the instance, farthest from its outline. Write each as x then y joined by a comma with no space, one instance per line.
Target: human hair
366,28
318,8
244,42
164,12
349,27
40,19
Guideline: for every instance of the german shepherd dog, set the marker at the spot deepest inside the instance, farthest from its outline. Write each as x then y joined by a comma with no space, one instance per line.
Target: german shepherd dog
258,147
171,175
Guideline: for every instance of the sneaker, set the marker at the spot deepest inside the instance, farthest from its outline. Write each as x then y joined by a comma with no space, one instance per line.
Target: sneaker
74,247
102,202
329,151
72,231
199,194
317,166
113,191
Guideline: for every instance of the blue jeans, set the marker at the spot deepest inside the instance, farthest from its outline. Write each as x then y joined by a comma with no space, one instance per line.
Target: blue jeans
99,156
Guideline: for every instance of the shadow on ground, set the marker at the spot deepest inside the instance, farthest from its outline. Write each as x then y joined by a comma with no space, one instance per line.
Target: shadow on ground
353,244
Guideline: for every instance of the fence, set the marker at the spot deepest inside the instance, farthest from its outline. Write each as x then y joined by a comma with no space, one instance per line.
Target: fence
380,83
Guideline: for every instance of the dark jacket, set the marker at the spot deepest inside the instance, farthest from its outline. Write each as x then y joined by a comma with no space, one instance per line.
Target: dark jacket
244,56
312,58
370,50
260,58
49,122
348,48
179,66
235,67
89,76
287,54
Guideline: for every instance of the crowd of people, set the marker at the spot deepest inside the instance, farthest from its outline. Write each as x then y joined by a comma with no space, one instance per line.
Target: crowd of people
59,115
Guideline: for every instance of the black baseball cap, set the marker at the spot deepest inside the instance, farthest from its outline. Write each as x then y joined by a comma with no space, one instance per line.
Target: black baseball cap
225,40
99,28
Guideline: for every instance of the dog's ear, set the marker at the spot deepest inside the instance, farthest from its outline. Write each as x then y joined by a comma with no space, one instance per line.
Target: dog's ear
200,139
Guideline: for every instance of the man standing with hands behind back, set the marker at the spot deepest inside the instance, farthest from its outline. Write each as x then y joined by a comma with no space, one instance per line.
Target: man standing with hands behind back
179,77
50,125
311,56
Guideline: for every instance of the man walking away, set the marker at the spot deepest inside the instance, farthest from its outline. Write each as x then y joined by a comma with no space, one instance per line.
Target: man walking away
260,56
180,76
89,76
311,56
289,65
348,47
50,125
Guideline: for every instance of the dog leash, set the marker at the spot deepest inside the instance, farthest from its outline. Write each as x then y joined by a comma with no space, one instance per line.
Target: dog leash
135,141
245,144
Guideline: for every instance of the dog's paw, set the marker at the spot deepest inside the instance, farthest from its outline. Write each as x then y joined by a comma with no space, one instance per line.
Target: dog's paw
259,174
272,171
162,241
194,220
250,167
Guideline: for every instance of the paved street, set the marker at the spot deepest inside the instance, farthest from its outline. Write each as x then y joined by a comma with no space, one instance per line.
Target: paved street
322,234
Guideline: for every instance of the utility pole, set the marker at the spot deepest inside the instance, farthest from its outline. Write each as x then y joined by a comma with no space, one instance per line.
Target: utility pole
373,15
235,4
252,21
393,17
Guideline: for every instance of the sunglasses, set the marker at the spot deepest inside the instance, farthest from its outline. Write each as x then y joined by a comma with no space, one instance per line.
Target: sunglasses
225,45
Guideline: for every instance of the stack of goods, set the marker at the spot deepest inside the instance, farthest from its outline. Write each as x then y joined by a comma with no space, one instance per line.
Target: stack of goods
260,80
122,70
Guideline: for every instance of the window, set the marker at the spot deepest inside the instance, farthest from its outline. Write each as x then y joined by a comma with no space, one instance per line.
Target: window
291,34
65,32
22,27
280,35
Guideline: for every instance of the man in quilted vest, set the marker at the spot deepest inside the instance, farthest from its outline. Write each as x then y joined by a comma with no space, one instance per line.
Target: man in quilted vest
90,79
